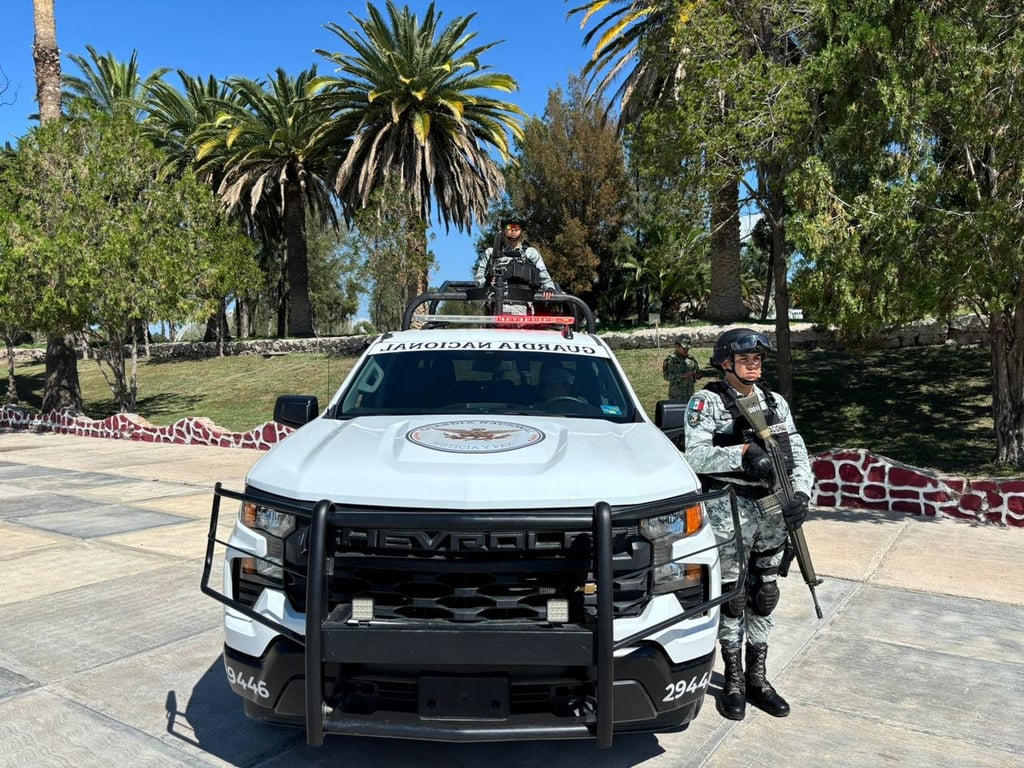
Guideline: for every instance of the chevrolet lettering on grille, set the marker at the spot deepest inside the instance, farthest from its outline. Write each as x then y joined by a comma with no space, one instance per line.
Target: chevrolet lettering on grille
463,541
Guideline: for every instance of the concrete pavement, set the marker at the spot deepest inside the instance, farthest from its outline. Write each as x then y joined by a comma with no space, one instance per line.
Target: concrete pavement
110,653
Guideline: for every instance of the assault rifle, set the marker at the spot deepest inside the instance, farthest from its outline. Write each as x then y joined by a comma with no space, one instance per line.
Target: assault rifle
515,282
752,410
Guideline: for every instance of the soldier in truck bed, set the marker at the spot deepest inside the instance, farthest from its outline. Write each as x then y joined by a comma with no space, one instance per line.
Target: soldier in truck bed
517,262
723,450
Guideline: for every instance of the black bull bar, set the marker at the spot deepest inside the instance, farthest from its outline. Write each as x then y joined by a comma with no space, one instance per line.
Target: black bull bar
583,646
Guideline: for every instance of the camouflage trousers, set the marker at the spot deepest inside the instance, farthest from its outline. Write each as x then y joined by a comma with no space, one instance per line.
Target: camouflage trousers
763,535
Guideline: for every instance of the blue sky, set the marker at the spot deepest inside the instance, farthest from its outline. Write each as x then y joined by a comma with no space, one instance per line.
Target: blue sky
541,49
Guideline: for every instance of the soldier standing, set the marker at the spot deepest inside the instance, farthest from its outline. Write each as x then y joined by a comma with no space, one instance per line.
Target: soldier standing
680,370
516,264
724,450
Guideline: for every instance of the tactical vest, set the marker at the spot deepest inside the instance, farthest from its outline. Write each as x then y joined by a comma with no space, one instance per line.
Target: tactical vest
742,432
518,270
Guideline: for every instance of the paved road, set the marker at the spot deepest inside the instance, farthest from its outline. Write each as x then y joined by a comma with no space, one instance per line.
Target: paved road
110,654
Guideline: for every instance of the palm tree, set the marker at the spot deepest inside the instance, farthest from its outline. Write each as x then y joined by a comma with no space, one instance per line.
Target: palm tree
173,116
262,148
108,85
62,388
407,97
640,33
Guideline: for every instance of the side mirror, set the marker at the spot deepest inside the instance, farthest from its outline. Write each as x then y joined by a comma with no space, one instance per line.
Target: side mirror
296,410
670,417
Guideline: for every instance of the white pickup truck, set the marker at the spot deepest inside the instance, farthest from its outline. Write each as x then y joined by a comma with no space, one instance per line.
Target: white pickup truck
482,537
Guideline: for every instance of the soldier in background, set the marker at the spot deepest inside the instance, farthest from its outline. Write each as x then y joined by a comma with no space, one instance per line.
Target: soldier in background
723,450
681,371
516,265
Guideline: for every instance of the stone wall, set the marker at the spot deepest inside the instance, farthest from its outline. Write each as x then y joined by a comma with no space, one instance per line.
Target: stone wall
183,350
843,478
961,331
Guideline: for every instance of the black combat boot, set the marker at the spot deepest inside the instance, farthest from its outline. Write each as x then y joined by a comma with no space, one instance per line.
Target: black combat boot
731,703
759,691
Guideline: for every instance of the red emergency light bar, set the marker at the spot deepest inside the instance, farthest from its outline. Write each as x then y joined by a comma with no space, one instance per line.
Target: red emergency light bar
533,320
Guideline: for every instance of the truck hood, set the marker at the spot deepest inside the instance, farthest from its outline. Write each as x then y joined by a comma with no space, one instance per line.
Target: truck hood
461,462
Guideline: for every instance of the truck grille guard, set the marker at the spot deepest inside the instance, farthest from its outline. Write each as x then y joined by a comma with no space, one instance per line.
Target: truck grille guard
599,645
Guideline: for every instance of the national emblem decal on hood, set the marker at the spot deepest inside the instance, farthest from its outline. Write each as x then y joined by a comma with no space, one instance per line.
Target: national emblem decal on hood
474,436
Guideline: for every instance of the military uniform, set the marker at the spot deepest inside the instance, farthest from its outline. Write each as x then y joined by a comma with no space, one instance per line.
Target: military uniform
511,260
680,387
714,449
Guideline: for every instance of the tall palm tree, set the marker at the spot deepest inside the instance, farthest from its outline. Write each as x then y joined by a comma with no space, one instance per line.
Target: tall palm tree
62,388
639,33
407,96
261,146
108,85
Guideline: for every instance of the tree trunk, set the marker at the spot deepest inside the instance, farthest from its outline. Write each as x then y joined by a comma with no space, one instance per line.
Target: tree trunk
282,303
131,403
780,267
1006,331
726,302
46,55
12,382
300,318
61,389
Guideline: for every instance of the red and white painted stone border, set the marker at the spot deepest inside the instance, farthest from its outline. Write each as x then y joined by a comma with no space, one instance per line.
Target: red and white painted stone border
128,426
843,477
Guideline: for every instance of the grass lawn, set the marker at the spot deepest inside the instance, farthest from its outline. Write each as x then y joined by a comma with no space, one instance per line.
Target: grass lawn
928,406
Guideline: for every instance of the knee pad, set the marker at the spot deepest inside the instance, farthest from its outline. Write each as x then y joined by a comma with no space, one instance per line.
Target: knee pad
734,608
764,596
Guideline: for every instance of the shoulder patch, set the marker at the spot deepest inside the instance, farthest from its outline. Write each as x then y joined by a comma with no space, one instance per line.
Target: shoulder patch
696,408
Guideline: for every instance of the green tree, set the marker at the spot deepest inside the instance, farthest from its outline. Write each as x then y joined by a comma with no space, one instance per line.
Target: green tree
334,281
670,264
17,294
62,389
172,118
407,106
721,85
386,245
16,289
636,45
263,148
109,244
914,204
570,183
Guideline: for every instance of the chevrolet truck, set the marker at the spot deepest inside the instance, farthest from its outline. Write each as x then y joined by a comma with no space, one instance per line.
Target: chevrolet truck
455,548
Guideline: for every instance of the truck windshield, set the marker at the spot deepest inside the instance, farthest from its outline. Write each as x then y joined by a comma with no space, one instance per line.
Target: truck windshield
479,382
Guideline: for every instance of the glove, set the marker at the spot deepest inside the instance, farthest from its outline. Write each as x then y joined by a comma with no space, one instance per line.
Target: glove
757,464
795,511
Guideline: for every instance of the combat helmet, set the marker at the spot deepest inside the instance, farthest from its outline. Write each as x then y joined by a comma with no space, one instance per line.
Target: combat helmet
739,341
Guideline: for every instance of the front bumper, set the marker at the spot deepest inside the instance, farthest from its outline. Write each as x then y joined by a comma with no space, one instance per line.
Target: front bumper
447,702
453,682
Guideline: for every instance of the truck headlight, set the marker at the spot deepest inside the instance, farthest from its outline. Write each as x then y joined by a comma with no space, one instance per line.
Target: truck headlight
663,532
276,525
